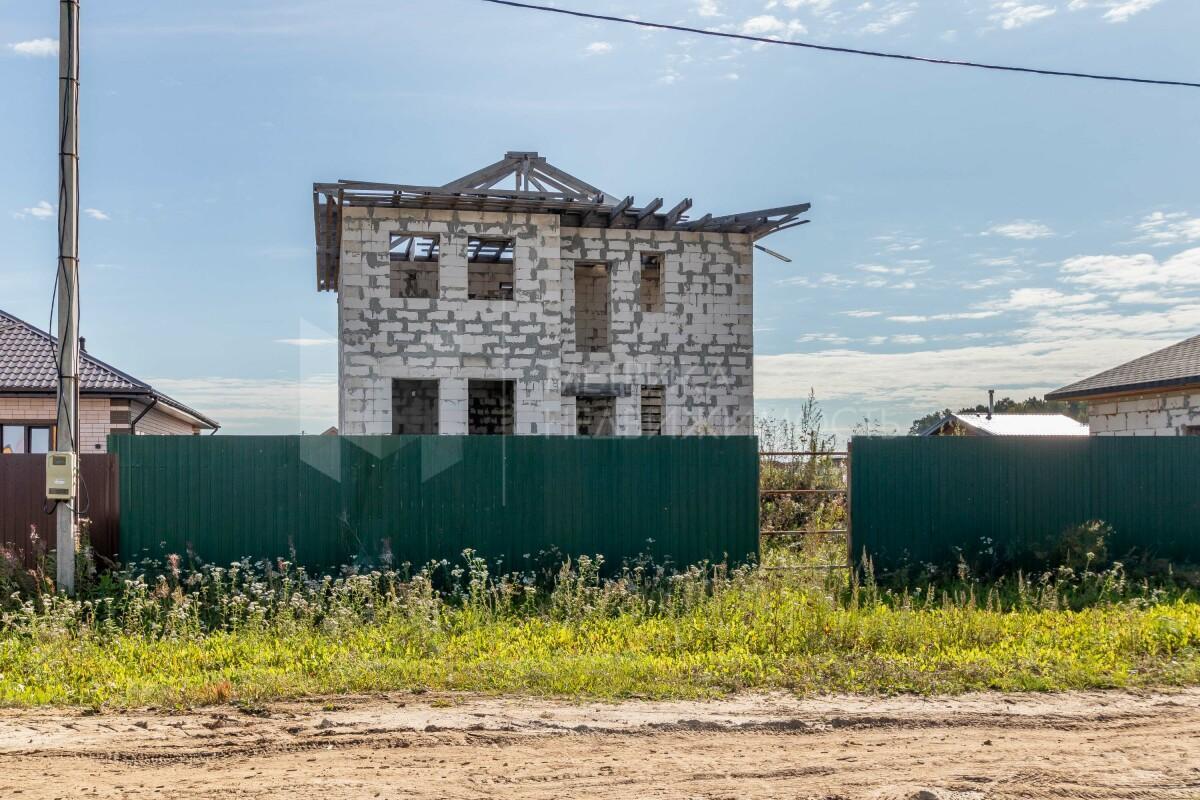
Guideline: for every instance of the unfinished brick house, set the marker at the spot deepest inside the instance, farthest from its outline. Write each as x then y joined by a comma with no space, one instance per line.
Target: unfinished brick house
548,308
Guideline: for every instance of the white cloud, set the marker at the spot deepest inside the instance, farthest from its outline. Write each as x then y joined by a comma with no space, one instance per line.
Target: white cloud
818,7
1037,299
893,15
1021,229
708,8
36,47
827,338
1123,11
936,378
598,49
915,318
1122,273
1115,10
831,280
768,24
96,213
861,314
899,243
1148,297
1161,228
908,338
307,342
731,76
1174,322
276,406
40,210
1012,14
765,23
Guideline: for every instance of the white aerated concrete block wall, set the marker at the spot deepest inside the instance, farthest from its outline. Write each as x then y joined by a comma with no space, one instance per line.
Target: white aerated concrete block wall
1167,414
699,347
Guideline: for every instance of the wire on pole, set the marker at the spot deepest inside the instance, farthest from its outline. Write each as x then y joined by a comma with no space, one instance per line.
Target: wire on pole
846,50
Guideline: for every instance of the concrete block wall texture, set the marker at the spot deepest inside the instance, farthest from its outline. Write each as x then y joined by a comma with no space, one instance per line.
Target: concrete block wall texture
699,347
1165,414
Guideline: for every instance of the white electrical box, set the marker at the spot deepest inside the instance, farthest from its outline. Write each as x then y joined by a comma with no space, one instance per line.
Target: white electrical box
61,472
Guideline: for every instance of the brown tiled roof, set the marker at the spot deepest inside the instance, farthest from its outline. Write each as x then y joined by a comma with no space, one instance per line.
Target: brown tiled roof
1177,365
27,366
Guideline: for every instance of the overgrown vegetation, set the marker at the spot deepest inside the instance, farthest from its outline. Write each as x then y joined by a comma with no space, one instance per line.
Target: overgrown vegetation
166,634
808,465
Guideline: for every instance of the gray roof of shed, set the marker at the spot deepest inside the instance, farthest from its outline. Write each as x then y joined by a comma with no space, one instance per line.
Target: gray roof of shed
1176,365
27,367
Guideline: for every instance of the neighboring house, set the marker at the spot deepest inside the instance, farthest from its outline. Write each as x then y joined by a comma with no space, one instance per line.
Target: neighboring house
1155,395
547,308
982,424
109,400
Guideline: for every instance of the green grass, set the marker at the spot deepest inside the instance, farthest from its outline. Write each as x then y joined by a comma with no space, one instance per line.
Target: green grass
249,635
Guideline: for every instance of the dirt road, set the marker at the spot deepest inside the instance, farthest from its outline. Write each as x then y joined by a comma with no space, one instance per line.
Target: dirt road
1082,745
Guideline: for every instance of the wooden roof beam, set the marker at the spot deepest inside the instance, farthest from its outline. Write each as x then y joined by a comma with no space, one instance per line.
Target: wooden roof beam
619,210
492,173
648,212
678,211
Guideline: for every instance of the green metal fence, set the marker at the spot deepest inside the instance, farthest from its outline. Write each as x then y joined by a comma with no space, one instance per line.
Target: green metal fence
334,499
916,500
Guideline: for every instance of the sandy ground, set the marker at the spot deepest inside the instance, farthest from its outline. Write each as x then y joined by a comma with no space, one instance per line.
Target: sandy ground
1076,745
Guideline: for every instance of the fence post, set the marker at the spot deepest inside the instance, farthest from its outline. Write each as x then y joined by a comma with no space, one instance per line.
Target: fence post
849,516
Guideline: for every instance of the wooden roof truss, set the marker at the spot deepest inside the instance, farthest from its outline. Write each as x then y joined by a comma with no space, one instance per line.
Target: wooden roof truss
524,182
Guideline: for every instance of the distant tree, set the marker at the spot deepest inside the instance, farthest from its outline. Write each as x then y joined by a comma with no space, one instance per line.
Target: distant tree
921,423
1074,409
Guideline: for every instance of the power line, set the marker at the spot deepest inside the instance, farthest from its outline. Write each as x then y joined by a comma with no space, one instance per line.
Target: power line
834,49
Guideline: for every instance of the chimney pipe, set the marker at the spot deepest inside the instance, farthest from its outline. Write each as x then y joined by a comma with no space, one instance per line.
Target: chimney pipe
991,402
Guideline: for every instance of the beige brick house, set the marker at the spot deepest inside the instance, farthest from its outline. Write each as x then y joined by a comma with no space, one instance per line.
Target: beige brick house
1155,395
110,400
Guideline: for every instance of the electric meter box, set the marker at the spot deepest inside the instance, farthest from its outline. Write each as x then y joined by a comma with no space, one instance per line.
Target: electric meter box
61,471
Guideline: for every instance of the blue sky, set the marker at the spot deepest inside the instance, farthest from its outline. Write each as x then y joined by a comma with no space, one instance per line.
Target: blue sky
970,230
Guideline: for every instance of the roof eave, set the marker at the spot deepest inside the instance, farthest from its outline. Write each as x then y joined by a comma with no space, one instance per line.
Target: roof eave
1122,390
180,408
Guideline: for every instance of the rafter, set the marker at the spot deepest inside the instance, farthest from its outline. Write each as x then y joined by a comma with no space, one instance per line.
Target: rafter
648,212
538,187
619,210
678,211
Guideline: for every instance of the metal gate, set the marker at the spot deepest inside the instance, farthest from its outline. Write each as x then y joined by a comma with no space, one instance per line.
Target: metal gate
804,507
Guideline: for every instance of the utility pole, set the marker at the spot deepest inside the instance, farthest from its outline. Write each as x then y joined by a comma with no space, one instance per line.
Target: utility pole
67,355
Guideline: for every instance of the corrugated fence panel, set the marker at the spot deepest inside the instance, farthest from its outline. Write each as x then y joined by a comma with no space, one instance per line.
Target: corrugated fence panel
23,505
916,500
330,500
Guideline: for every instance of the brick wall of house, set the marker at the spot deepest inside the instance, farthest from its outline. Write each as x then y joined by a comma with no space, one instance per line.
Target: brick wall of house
1166,414
98,417
94,413
158,422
